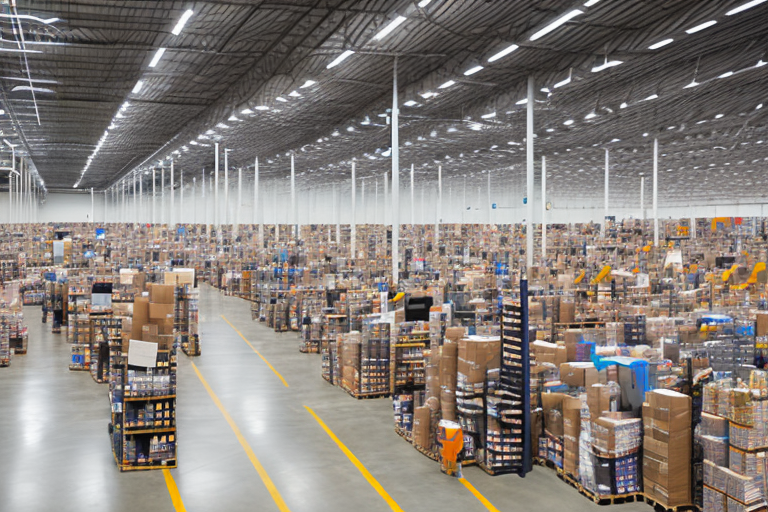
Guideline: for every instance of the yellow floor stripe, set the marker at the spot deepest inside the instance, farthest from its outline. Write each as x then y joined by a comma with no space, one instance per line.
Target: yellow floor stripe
359,465
252,456
178,505
479,496
254,349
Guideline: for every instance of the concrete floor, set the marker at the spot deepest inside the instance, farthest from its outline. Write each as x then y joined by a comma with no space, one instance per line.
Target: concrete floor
55,451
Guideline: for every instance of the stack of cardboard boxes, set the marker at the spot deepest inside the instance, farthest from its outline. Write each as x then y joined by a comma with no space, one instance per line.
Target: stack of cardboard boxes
667,447
153,316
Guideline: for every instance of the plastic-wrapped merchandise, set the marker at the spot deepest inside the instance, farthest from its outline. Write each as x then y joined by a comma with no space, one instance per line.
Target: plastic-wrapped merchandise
715,501
715,449
716,476
712,425
749,438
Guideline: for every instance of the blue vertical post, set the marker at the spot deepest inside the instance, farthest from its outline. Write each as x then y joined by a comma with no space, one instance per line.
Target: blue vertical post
527,460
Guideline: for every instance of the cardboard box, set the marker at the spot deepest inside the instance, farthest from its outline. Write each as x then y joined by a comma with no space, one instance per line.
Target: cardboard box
448,364
552,408
667,410
140,316
762,324
454,333
161,293
149,333
421,427
160,311
561,355
572,417
578,375
164,341
598,400
572,337
610,436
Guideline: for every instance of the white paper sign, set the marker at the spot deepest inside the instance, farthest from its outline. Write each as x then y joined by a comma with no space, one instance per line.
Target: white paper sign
142,353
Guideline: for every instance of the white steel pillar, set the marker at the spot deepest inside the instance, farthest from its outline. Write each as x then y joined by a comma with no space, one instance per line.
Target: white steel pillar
91,205
543,209
216,186
490,210
226,187
413,201
606,183
154,205
336,217
362,200
194,199
395,181
655,192
171,217
162,194
239,197
106,216
181,198
642,200
530,178
10,185
439,209
376,202
293,220
135,202
257,204
353,223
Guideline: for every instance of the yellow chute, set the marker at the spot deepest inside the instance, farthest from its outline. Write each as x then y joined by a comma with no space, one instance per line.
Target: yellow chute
602,275
580,277
727,274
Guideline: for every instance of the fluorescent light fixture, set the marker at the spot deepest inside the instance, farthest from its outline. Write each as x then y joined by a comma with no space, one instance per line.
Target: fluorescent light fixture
35,80
645,134
246,111
338,60
210,132
335,133
475,127
616,140
658,45
447,84
410,103
590,3
424,3
261,107
545,89
568,122
389,28
692,84
472,71
606,65
550,130
138,86
558,22
350,128
522,101
759,106
281,99
157,57
744,7
562,82
294,94
429,94
366,121
308,83
233,117
726,75
698,28
760,63
193,142
651,97
182,21
489,116
503,53
718,116
47,21
20,88
591,115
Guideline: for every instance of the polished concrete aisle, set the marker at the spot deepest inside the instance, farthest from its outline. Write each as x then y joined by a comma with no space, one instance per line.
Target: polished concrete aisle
250,437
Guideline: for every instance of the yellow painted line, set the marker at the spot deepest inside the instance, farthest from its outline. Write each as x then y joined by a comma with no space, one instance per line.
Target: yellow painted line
178,505
254,349
479,496
359,465
248,450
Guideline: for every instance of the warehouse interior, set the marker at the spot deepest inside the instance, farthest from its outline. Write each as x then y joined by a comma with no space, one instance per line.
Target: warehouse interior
530,233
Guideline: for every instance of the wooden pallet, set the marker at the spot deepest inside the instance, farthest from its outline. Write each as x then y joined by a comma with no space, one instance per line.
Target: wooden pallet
431,455
600,499
367,396
660,507
403,433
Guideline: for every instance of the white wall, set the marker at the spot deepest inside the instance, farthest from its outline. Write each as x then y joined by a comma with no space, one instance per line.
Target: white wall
316,207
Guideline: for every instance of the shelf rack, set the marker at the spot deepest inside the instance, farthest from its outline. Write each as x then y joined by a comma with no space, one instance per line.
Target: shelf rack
408,373
186,319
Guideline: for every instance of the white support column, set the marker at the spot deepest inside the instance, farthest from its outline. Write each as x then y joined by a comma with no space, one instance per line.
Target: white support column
124,212
226,187
423,219
216,186
106,216
642,200
258,204
239,198
92,205
692,228
180,218
293,220
543,209
413,201
384,217
395,181
376,202
530,178
606,183
162,194
336,217
154,205
205,202
353,223
10,185
439,207
362,200
277,222
171,217
135,203
141,198
490,210
655,192
194,199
